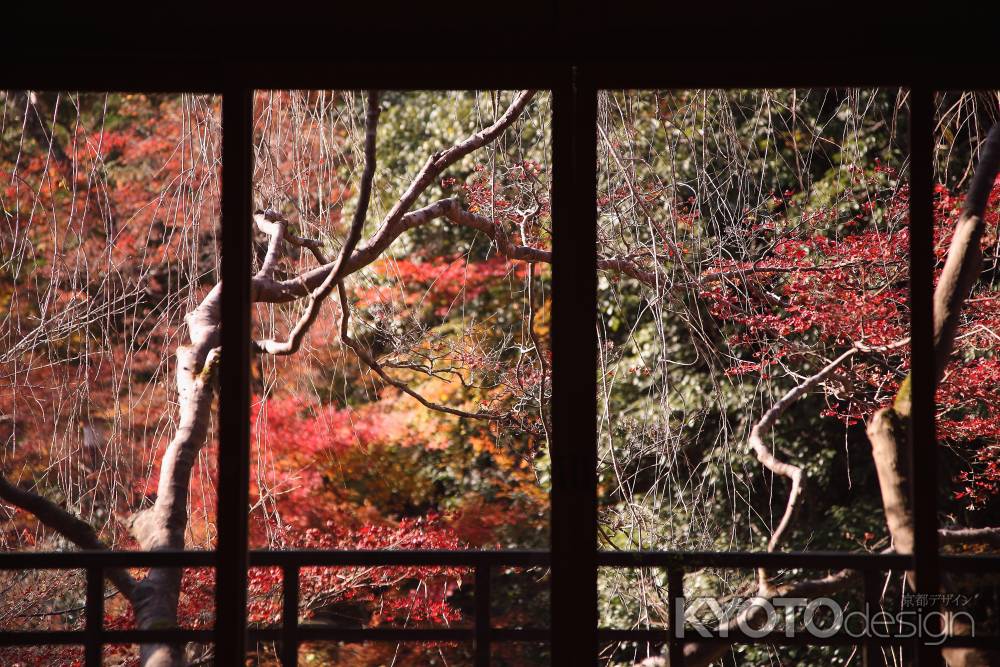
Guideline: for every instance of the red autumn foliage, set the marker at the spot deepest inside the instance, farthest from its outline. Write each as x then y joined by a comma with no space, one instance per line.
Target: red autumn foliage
824,292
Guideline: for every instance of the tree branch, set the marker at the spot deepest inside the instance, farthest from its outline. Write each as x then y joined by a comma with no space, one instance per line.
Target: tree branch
441,160
703,654
965,257
399,219
332,277
373,364
793,472
888,428
75,530
965,536
775,465
162,526
271,223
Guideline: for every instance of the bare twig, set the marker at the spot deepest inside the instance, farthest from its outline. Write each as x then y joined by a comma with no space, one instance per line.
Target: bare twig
373,364
323,290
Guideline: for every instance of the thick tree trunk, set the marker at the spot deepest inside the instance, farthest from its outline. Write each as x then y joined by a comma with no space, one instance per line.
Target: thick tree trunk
888,428
887,431
163,525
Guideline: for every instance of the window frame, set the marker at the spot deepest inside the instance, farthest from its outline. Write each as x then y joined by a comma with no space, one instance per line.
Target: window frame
573,556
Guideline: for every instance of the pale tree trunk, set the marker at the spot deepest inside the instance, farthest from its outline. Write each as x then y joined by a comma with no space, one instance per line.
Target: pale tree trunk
161,527
888,428
887,431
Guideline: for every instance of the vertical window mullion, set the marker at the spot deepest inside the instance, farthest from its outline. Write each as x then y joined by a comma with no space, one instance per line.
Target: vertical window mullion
234,394
574,371
923,446
94,648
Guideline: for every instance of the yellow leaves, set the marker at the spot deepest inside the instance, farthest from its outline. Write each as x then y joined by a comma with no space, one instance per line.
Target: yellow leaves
437,390
480,443
106,414
543,320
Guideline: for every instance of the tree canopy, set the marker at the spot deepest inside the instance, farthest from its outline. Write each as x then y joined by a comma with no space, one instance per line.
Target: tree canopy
753,323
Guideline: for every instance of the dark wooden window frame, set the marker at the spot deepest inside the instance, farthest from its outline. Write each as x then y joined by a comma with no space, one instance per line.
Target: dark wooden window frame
573,557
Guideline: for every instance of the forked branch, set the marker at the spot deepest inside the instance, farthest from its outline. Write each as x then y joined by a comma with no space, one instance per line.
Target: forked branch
373,364
791,471
319,295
